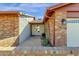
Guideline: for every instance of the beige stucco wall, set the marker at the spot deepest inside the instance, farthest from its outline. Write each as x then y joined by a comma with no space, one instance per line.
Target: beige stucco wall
46,26
24,28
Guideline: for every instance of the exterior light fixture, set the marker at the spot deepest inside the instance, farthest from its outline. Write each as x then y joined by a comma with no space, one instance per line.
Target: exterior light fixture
63,21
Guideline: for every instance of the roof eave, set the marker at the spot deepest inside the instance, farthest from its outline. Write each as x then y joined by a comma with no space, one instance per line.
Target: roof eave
52,9
58,6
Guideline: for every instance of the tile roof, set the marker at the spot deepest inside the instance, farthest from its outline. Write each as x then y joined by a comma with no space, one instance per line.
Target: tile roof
9,12
36,21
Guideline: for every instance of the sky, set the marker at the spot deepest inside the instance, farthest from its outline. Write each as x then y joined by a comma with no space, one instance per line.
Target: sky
35,9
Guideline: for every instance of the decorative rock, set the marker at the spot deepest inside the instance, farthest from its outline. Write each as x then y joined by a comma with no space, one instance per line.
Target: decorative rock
45,51
13,52
25,52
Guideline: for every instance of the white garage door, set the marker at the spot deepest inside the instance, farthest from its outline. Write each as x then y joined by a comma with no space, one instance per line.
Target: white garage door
73,32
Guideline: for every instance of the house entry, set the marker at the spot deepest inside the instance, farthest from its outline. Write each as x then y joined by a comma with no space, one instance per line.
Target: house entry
37,29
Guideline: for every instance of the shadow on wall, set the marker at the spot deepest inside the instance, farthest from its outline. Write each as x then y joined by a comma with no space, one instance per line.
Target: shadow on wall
9,42
16,43
8,34
13,40
25,33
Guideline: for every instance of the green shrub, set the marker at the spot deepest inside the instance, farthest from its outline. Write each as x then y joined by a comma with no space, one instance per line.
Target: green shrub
45,42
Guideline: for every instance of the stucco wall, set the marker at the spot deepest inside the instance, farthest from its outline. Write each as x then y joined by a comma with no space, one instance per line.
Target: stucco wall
46,26
24,28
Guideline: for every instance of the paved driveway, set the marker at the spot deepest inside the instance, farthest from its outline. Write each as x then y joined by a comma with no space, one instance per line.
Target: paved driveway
33,41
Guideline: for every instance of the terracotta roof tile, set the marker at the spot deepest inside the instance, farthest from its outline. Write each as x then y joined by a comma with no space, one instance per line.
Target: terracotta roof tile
9,12
36,21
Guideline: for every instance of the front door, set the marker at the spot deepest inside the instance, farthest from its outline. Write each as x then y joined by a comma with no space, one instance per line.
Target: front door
37,29
73,32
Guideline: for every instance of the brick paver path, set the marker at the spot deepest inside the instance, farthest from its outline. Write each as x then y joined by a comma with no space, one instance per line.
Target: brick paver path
33,41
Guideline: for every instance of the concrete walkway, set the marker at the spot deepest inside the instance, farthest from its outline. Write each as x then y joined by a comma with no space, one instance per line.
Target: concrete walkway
33,41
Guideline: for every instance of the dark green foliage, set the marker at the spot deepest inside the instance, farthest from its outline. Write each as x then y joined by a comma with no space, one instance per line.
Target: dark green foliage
44,40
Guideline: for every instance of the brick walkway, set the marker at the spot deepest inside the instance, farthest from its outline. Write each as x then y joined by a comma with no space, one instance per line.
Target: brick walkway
32,47
40,51
33,41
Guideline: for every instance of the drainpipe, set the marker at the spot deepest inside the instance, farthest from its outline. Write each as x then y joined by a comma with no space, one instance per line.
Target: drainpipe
54,35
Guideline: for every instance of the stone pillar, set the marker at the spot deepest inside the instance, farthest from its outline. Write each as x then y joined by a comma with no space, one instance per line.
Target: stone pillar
60,29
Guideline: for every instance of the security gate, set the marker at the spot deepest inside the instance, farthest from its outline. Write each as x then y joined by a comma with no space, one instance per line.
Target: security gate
73,32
